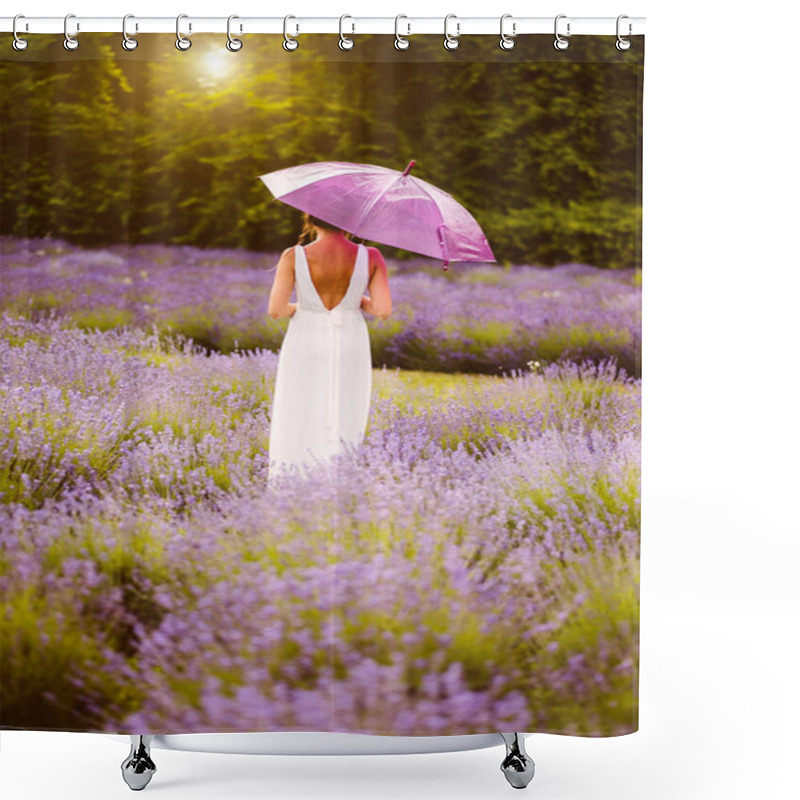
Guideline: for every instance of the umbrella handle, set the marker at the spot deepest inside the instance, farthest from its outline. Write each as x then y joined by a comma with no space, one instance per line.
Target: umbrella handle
443,244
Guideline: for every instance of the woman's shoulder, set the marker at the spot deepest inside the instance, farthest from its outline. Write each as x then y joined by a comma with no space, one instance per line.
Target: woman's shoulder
375,259
288,258
375,255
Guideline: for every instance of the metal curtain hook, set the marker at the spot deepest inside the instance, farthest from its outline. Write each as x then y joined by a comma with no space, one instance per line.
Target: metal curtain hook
451,42
234,45
18,44
289,43
128,42
561,42
182,43
623,44
507,42
345,42
70,42
400,42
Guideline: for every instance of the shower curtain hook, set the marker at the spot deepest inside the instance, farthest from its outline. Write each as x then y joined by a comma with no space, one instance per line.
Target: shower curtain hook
400,42
18,44
622,43
345,42
234,45
561,42
507,42
128,42
288,42
451,42
70,42
182,43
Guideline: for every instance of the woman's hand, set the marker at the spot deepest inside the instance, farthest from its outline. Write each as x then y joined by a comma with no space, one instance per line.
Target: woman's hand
292,308
366,304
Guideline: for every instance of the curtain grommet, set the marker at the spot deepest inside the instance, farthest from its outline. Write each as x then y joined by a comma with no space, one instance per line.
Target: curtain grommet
400,42
70,42
451,42
561,42
128,42
345,42
234,45
289,44
182,42
507,41
18,44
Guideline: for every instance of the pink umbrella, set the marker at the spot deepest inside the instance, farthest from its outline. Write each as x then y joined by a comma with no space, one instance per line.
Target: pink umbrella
383,205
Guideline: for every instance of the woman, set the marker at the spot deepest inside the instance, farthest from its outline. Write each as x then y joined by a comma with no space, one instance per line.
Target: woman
324,379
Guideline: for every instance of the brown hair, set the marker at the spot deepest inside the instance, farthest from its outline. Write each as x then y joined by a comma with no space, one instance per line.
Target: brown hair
310,223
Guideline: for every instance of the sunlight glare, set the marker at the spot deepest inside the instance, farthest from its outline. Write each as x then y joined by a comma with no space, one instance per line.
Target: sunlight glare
215,66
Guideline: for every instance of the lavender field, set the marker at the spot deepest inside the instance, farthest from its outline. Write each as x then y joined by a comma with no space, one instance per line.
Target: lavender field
473,567
471,318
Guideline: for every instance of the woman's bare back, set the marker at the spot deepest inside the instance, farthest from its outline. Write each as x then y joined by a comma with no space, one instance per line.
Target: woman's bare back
331,267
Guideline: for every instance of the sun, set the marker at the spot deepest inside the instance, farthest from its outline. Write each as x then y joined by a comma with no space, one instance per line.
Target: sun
214,69
216,65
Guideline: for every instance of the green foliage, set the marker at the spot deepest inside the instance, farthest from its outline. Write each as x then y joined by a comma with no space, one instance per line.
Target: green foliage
543,149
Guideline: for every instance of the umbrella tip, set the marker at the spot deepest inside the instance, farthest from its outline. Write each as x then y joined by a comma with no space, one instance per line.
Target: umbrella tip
408,168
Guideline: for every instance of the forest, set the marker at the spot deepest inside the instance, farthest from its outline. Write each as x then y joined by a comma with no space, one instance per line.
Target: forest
160,146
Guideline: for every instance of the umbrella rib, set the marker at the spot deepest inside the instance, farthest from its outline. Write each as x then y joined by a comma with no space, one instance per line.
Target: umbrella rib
433,200
369,208
383,192
444,256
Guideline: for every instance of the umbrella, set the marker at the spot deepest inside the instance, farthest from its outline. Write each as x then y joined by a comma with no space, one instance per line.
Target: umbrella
383,205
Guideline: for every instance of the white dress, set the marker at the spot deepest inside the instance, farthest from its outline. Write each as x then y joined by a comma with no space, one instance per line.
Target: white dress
324,377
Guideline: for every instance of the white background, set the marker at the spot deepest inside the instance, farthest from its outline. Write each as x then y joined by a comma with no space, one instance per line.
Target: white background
719,694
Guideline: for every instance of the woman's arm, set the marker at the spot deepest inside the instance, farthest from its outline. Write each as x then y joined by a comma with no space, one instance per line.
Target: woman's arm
379,301
279,305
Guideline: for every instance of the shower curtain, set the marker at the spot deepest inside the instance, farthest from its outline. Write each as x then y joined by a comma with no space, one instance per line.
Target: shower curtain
469,564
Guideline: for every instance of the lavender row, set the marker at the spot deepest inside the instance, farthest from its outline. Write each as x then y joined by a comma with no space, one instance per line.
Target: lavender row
473,318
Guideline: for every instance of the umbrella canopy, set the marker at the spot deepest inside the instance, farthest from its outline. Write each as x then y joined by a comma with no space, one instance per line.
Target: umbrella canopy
383,205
